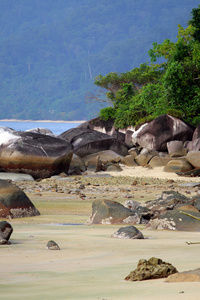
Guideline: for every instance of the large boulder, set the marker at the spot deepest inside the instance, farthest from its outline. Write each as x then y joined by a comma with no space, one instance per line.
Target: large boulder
14,203
111,212
87,141
36,154
181,217
163,129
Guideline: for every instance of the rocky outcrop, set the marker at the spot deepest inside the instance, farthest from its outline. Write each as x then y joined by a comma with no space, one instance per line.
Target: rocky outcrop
174,211
154,268
35,154
14,203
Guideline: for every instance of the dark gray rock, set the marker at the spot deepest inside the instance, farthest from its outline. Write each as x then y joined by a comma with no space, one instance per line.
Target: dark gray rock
128,232
6,230
51,245
35,154
87,141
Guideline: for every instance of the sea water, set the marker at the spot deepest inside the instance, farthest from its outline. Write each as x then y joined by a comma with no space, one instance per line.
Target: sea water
57,127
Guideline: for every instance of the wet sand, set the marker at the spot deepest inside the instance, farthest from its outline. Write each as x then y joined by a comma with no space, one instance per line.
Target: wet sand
91,265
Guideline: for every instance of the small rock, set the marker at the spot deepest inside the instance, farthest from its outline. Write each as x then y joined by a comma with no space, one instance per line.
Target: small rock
128,232
51,245
4,242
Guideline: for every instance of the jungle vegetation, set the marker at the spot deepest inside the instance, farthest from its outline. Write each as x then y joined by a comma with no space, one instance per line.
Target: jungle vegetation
170,84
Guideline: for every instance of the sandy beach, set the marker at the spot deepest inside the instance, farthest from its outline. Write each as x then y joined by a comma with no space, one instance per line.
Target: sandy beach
91,265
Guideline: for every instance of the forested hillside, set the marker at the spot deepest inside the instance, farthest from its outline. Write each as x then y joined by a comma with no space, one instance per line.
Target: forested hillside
51,51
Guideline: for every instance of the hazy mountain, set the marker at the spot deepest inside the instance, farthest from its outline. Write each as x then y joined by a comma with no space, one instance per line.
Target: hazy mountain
50,51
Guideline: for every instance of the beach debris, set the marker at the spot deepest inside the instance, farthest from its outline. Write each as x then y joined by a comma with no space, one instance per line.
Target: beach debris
6,230
192,243
128,232
52,245
153,268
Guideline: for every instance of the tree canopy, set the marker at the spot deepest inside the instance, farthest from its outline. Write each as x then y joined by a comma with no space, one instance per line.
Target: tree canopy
170,84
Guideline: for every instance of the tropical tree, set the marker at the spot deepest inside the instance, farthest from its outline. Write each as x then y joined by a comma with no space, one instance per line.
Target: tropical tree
171,86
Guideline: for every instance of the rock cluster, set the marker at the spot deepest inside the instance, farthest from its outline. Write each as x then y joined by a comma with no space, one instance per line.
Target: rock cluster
174,211
96,146
170,210
166,141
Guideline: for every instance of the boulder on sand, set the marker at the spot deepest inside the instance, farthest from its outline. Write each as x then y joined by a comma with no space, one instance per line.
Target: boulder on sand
6,230
14,203
35,154
163,129
153,268
110,212
128,232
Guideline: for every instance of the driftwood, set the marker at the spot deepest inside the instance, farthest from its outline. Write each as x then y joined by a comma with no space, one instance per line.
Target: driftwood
192,243
190,215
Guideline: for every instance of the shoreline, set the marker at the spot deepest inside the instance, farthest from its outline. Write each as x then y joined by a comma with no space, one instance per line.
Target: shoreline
41,121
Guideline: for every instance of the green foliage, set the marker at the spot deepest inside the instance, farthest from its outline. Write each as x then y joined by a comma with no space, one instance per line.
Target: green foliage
171,87
107,113
195,22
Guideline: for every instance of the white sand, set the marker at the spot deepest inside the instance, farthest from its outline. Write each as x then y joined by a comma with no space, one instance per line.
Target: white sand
91,265
152,173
